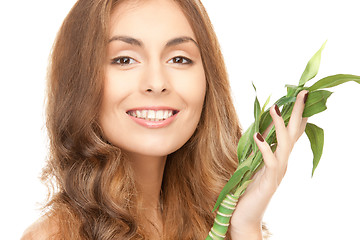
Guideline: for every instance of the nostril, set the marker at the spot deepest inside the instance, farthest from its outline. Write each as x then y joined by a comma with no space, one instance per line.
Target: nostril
150,90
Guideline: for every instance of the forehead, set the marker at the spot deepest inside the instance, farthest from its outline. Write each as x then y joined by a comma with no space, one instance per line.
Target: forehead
152,18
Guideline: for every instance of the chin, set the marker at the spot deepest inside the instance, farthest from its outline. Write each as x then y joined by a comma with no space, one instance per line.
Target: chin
157,151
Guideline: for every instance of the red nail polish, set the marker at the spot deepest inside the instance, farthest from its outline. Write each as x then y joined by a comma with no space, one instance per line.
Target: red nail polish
277,110
258,135
305,97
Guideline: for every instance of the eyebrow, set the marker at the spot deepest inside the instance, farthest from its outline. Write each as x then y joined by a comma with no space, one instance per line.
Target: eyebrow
179,40
139,43
129,40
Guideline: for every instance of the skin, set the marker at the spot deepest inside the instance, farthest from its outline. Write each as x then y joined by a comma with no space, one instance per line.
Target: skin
247,218
156,71
151,75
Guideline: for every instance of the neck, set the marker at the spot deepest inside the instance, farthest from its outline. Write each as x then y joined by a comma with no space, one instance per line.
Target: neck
149,173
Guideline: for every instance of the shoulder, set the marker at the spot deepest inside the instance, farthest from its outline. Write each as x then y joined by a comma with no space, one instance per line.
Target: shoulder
43,229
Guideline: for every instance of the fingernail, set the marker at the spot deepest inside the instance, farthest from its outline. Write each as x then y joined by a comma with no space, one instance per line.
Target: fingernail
277,110
305,97
258,135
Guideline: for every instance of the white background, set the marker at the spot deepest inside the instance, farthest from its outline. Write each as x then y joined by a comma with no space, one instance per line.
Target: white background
265,42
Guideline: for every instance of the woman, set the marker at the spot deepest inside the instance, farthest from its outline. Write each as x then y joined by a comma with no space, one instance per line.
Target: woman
142,129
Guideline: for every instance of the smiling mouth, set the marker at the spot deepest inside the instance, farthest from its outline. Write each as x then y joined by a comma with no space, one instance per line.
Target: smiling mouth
152,115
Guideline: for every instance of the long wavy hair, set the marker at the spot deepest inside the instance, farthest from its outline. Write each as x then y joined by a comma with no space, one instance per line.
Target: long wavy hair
94,192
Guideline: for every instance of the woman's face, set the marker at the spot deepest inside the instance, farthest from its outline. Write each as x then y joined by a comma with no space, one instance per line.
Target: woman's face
155,82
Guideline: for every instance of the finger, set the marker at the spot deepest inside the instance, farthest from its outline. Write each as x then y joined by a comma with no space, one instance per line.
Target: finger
281,130
303,124
268,156
272,165
296,115
302,128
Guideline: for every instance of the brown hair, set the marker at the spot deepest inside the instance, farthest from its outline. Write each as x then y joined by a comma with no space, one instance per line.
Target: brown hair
95,195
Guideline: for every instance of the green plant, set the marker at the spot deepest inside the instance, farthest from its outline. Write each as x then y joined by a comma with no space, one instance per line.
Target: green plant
250,158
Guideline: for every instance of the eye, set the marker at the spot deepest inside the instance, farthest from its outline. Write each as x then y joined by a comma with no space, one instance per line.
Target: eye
180,60
123,60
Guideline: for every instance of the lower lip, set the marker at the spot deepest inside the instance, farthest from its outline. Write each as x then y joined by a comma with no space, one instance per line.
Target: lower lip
153,124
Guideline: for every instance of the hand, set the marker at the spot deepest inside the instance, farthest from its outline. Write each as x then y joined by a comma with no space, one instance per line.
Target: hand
247,218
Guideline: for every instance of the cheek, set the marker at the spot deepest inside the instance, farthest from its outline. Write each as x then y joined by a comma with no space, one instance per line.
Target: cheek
191,87
119,84
116,90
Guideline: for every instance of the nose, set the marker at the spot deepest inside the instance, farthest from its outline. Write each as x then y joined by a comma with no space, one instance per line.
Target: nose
155,80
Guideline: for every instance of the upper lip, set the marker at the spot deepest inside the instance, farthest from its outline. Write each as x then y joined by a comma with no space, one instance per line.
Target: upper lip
155,108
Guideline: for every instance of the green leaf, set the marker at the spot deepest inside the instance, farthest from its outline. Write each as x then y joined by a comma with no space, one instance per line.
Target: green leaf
316,138
286,112
244,144
291,89
265,104
256,161
284,100
265,121
241,188
316,102
334,80
233,181
257,115
312,67
253,86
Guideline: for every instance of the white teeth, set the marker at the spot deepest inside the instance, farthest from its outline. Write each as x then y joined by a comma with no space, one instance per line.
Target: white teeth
159,115
166,114
151,115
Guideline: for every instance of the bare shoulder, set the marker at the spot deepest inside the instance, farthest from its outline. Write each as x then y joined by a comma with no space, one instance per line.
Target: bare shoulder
44,228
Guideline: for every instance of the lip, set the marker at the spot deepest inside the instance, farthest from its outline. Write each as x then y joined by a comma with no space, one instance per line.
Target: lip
153,108
153,124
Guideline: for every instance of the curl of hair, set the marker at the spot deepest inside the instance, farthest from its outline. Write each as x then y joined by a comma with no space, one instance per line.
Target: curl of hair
96,196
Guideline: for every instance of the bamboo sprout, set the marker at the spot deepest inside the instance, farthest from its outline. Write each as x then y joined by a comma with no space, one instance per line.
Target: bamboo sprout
250,158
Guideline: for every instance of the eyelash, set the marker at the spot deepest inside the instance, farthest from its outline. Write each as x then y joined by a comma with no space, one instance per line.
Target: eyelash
124,60
187,60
